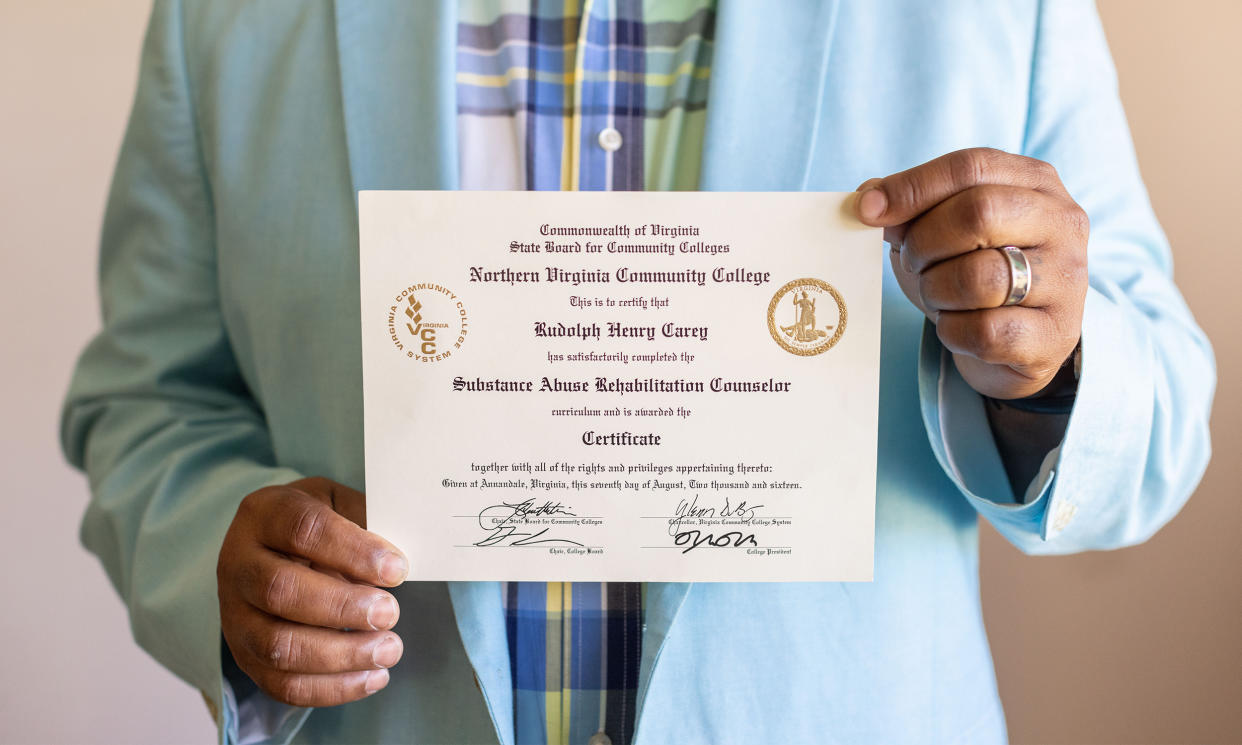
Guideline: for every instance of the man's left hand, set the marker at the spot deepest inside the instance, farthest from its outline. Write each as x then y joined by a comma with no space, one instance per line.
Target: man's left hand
944,218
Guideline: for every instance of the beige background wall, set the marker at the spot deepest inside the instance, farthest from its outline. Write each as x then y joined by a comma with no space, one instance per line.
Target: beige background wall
68,671
1145,645
1136,646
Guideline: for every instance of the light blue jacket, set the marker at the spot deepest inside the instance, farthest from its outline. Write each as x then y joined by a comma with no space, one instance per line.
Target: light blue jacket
230,354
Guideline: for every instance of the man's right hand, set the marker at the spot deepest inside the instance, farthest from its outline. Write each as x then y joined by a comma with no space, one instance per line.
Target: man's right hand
299,604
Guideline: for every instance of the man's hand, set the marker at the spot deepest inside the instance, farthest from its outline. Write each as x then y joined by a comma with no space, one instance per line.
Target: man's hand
298,600
943,219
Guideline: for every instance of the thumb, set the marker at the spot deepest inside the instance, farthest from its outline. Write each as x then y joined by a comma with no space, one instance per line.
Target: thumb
876,203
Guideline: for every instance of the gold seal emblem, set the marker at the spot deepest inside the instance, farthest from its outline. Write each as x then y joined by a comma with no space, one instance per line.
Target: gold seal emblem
807,317
427,322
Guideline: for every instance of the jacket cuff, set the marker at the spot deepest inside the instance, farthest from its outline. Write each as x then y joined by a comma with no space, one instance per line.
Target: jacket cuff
961,438
1106,447
257,719
1108,422
214,686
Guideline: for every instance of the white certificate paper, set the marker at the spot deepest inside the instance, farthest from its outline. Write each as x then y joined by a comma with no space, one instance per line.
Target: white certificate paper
621,386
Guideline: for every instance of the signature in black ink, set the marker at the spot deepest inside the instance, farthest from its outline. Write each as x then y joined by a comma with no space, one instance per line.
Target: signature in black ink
692,539
692,512
503,520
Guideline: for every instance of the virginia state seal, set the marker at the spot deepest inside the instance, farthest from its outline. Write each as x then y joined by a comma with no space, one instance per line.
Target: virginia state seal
807,317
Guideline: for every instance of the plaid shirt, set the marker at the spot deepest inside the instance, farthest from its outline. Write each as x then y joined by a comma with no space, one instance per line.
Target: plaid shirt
595,95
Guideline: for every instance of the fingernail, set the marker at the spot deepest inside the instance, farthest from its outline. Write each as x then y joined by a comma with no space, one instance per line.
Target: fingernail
376,679
872,203
387,652
383,613
393,569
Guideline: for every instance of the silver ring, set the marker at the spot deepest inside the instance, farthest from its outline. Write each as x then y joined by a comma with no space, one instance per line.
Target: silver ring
1019,275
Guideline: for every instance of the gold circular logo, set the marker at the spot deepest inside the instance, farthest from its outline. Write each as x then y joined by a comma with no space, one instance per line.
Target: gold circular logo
427,322
807,317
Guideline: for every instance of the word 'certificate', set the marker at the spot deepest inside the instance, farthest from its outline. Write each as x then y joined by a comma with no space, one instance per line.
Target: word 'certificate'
621,386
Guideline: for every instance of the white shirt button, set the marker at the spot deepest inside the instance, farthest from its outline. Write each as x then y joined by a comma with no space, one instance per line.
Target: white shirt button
610,139
599,738
1062,514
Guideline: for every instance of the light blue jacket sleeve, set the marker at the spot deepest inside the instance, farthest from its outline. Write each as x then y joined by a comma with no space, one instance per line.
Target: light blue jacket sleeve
158,414
1137,440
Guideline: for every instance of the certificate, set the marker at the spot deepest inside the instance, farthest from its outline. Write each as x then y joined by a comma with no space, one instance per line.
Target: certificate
621,386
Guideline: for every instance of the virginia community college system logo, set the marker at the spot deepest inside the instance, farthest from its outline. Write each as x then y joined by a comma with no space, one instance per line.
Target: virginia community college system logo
427,322
806,317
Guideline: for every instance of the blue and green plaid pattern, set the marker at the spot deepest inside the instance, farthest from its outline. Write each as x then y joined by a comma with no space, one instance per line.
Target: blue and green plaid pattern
537,81
574,649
